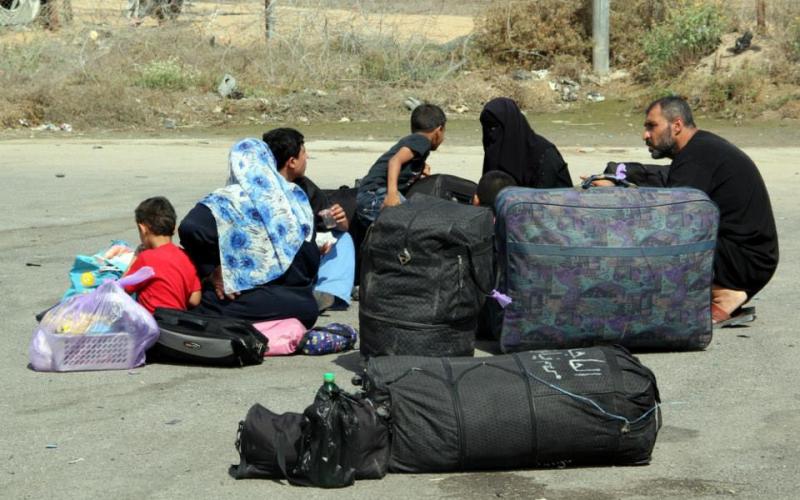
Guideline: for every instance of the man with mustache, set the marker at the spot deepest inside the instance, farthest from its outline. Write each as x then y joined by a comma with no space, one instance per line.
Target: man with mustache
747,243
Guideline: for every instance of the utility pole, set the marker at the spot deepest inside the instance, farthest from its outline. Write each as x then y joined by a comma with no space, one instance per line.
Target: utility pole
761,16
269,18
600,30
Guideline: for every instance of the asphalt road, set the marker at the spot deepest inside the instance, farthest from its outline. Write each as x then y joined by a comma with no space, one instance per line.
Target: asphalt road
731,413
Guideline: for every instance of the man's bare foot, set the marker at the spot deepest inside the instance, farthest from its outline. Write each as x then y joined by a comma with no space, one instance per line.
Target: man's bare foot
726,299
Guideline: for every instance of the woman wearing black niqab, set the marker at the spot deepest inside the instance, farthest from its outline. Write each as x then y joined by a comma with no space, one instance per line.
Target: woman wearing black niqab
510,145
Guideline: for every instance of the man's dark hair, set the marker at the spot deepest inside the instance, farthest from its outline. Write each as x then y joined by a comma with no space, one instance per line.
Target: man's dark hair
426,117
673,107
158,215
491,184
284,144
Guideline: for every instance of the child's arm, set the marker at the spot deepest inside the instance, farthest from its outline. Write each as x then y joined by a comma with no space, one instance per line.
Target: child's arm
194,298
404,155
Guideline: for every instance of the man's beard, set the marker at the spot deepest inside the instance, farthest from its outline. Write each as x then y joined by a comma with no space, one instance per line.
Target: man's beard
664,149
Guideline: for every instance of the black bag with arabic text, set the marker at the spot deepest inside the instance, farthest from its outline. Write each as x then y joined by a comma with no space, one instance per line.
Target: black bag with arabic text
597,405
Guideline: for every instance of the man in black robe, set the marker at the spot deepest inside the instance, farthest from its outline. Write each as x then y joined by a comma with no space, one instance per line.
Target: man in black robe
747,243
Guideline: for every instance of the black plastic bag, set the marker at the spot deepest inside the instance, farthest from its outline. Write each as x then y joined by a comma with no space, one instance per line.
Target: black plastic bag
326,446
336,434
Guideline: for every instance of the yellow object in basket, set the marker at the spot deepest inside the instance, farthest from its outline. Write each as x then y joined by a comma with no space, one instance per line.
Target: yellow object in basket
87,279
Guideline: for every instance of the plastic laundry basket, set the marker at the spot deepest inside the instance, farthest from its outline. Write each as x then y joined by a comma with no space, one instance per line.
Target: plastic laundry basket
110,351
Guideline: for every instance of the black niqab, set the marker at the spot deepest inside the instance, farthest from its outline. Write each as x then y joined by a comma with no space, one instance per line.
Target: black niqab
510,145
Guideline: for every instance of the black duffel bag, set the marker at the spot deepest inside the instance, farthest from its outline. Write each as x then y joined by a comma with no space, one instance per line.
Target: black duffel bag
264,437
257,443
447,187
530,409
187,337
426,269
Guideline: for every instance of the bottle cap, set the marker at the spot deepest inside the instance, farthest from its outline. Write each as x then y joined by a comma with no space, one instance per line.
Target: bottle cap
329,377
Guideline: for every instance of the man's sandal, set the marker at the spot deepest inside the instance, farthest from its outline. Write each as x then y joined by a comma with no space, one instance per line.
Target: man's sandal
742,315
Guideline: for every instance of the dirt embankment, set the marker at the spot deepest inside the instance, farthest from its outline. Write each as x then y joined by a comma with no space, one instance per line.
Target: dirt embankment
325,64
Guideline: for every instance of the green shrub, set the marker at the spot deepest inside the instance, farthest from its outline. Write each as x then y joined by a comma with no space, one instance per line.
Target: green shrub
792,42
692,30
630,22
166,74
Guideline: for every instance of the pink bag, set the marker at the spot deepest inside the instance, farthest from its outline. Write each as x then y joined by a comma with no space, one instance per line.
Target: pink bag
284,335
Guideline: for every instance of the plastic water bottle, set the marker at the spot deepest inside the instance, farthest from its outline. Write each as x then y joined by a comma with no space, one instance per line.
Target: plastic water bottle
329,383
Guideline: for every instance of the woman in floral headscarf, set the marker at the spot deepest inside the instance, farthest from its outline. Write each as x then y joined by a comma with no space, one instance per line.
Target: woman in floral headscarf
251,242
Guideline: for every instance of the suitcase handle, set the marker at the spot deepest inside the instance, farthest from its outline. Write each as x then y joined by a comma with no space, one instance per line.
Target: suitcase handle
586,184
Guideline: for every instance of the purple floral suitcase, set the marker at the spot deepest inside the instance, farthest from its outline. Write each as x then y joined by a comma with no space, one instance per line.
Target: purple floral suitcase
629,266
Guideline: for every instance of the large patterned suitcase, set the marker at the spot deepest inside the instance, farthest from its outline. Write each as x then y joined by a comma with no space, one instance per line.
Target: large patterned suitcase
629,266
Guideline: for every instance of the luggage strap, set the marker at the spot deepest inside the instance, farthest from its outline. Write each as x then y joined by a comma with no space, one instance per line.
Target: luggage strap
531,406
565,251
473,273
280,450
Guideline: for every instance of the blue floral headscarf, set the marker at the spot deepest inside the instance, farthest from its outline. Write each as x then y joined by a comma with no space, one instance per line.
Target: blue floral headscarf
262,219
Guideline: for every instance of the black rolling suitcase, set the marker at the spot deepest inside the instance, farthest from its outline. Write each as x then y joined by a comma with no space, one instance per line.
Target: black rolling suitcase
191,338
425,271
447,187
530,409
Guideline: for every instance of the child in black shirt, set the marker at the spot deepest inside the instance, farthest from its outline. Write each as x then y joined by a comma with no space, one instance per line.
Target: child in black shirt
405,162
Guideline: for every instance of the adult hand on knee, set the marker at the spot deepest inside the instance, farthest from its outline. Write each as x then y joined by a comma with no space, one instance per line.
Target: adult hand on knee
219,285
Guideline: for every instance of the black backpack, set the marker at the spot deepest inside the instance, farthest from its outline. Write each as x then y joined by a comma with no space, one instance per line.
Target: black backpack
425,272
191,338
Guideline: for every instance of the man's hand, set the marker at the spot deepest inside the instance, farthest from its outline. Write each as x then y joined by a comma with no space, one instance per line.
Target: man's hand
599,182
426,171
325,248
340,216
219,286
391,200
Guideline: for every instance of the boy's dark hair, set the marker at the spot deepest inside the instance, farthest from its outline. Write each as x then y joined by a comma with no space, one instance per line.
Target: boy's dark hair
491,184
673,107
284,144
158,214
426,117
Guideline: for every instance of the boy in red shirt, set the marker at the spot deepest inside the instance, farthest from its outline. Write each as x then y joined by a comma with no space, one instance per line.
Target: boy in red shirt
175,284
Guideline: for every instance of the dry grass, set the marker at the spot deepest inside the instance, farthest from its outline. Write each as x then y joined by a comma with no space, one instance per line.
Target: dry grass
330,59
135,77
532,33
